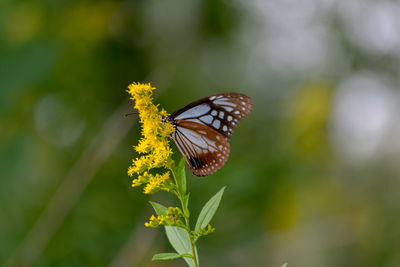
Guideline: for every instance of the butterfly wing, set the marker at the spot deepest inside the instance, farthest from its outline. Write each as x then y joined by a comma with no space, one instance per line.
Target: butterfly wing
205,149
221,112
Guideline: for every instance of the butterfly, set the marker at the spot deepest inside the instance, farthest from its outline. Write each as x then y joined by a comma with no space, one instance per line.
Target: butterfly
203,128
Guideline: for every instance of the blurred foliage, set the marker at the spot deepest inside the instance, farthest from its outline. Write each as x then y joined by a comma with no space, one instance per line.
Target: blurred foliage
296,191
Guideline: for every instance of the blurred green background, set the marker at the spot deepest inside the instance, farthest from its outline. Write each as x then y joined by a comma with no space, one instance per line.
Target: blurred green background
313,176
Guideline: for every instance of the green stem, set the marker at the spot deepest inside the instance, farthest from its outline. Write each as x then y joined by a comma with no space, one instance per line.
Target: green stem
180,197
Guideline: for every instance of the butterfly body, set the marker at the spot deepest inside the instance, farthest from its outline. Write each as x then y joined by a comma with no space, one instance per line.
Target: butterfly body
202,130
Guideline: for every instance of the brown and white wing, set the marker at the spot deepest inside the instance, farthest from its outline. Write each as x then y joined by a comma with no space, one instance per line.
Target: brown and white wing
221,112
205,149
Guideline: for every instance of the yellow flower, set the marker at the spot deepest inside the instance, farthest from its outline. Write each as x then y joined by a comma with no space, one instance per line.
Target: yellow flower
155,221
154,144
172,217
156,182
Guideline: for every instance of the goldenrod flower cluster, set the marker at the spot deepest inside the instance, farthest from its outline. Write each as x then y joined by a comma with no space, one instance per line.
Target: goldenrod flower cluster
155,221
154,145
172,218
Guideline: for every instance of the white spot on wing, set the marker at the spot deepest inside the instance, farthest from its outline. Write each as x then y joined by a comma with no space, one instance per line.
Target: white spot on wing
224,103
214,112
216,124
224,128
229,118
229,109
197,149
211,143
221,114
194,111
193,137
207,119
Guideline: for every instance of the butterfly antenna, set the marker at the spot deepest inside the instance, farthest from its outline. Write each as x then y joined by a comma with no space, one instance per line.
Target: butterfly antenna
132,113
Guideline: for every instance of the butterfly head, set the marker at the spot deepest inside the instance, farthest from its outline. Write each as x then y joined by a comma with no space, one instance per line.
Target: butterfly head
168,119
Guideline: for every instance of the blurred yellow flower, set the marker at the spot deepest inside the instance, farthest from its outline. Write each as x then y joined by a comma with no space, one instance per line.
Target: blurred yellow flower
154,144
23,23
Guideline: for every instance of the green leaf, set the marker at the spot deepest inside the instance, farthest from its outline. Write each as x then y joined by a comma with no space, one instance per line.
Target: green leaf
181,176
285,264
166,256
179,239
169,256
185,205
209,210
158,208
